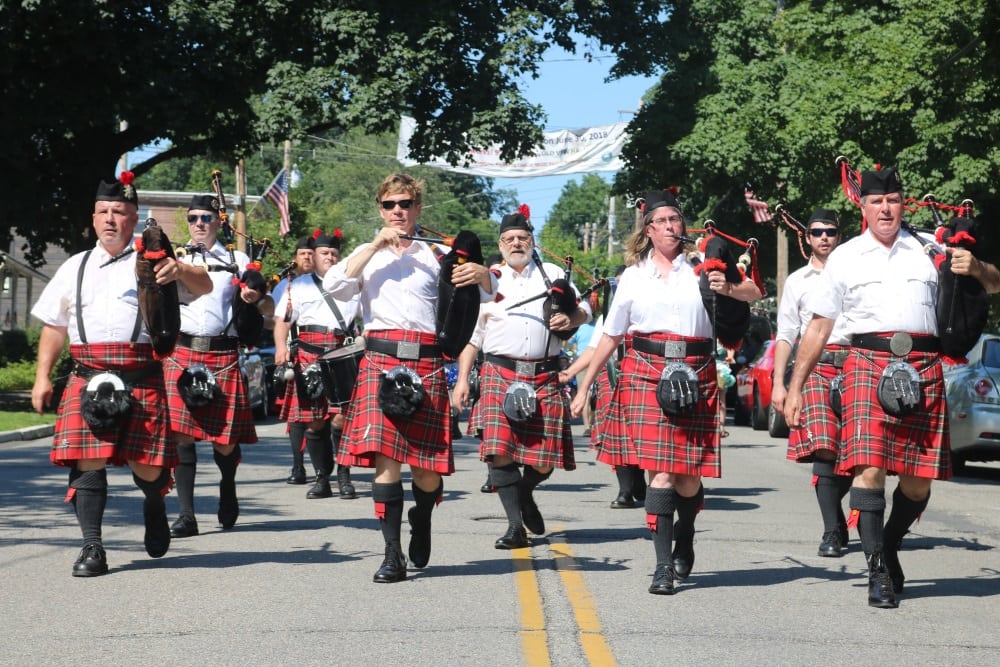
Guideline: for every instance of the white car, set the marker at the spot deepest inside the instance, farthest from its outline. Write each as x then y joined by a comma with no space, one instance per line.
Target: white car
973,393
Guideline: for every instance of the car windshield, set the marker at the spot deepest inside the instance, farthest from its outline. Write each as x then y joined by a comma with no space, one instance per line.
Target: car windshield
991,354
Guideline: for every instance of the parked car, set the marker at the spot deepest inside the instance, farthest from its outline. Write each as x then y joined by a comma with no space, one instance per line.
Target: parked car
973,394
753,395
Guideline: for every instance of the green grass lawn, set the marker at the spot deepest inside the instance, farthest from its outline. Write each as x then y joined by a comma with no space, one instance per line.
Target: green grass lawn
11,421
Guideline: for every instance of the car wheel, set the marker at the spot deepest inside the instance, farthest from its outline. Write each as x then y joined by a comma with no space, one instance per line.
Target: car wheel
958,466
776,426
758,415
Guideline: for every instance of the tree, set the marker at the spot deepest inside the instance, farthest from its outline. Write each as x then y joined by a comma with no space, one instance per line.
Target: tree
84,82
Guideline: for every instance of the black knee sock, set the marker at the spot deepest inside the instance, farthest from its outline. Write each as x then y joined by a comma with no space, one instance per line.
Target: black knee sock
153,491
904,512
638,483
688,508
335,436
227,468
90,496
320,449
660,504
389,509
296,432
426,501
870,504
531,478
184,474
506,480
625,480
828,494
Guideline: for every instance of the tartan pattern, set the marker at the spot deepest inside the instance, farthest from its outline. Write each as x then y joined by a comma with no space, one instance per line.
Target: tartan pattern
635,431
545,440
142,436
304,410
602,385
917,444
422,440
226,421
822,428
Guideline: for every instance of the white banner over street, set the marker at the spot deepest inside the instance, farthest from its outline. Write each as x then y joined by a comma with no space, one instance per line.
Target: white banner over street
562,152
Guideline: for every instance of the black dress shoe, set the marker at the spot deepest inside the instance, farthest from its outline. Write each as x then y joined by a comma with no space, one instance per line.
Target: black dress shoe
92,562
880,593
831,547
514,538
623,501
157,538
320,488
298,476
487,487
185,526
344,485
229,511
683,554
393,567
532,518
420,537
663,580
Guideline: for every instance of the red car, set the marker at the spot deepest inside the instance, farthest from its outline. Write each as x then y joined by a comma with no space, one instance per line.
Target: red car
753,395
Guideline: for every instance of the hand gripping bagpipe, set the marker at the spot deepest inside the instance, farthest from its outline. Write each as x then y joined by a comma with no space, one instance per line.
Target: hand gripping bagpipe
962,304
247,320
730,317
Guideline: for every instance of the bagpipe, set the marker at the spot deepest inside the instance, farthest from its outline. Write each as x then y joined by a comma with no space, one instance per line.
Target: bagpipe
247,319
962,305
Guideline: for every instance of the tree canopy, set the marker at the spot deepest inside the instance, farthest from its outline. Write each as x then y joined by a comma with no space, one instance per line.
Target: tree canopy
84,82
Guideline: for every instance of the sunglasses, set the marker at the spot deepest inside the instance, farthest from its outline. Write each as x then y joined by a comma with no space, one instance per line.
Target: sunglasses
204,217
827,231
404,204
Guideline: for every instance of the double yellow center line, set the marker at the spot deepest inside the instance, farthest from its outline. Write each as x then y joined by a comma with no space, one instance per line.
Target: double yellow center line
534,638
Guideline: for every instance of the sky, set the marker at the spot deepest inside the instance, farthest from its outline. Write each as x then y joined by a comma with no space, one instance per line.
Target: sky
573,94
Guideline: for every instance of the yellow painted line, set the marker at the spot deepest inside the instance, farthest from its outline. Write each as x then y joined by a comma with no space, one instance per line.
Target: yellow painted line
592,640
534,638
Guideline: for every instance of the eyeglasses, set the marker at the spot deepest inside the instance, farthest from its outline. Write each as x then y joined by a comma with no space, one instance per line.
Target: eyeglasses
389,204
511,240
824,231
673,220
203,217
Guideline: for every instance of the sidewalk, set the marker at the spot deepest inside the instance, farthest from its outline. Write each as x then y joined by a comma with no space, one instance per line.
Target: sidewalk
27,433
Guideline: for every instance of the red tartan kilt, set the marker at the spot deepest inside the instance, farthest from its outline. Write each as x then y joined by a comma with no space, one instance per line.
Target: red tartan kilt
635,430
226,421
544,441
304,410
821,428
602,385
142,436
917,444
422,440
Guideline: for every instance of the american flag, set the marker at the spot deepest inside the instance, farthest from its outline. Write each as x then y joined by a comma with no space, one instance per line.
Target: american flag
277,194
761,213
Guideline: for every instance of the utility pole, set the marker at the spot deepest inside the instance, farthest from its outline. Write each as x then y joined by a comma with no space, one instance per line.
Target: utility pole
586,237
241,206
782,263
611,226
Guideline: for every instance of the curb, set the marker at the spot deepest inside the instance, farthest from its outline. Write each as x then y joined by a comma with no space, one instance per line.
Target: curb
29,433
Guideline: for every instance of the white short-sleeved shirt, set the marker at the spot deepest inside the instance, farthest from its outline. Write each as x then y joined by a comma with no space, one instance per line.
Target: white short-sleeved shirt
208,314
794,315
309,306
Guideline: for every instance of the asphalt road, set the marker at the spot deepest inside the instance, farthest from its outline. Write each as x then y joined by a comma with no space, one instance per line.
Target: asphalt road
291,583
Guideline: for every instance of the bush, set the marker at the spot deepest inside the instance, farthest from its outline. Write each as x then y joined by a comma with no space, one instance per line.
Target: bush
17,375
15,346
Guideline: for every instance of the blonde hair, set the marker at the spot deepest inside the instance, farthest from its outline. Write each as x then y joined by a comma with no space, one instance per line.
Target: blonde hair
395,184
638,245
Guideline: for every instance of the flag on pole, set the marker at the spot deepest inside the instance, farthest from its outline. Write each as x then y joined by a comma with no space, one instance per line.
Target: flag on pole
277,194
761,213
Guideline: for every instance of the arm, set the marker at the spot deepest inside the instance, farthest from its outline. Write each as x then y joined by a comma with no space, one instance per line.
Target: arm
50,345
782,352
964,263
605,348
460,394
281,329
194,278
810,349
744,291
578,365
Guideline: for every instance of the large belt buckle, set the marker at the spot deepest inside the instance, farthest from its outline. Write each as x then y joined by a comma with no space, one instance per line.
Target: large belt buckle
901,343
674,349
840,358
524,367
405,350
201,343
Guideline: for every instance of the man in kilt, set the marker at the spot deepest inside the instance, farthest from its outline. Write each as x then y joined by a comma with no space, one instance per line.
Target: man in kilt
209,343
402,370
92,301
659,313
519,347
819,441
883,287
318,323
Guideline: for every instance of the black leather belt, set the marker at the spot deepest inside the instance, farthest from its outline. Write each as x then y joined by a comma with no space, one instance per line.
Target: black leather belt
131,376
525,367
835,357
315,349
401,349
899,344
208,343
673,349
317,329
